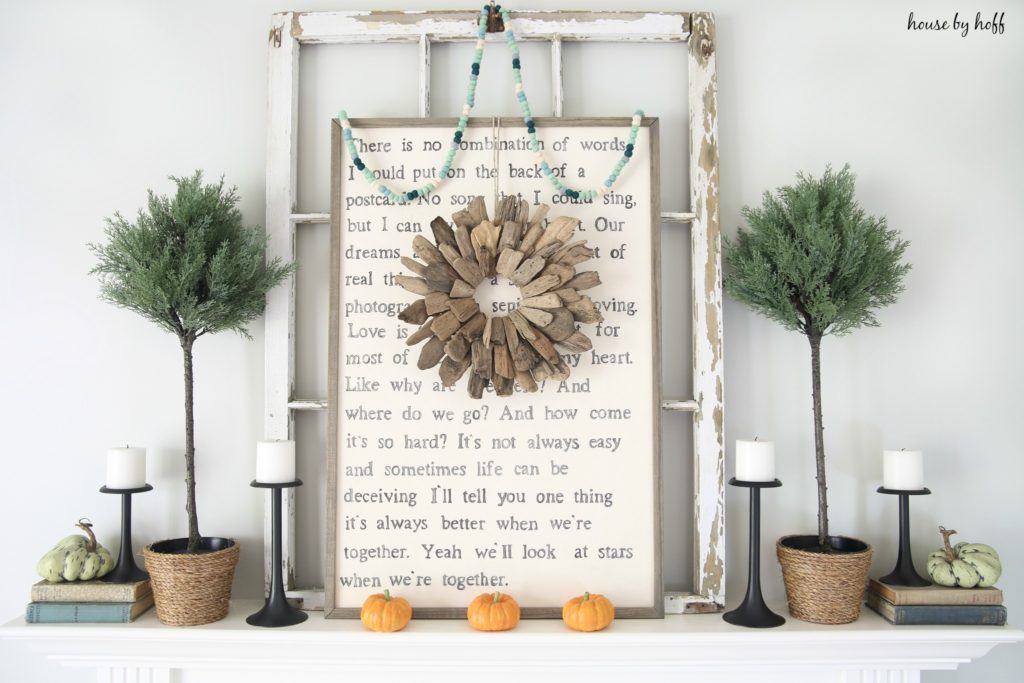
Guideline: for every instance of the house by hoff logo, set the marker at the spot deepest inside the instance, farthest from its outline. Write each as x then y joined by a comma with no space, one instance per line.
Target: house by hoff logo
961,25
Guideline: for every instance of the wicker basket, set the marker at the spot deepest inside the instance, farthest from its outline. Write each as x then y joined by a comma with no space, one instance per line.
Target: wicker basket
824,588
191,589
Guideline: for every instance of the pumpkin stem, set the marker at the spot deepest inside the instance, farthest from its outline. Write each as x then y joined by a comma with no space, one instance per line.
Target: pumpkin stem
497,597
387,595
86,526
586,596
946,533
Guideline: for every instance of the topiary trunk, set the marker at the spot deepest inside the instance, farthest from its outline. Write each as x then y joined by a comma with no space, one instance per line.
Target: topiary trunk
819,442
190,448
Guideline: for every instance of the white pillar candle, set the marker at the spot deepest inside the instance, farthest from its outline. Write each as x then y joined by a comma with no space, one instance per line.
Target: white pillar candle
275,462
903,470
126,468
755,460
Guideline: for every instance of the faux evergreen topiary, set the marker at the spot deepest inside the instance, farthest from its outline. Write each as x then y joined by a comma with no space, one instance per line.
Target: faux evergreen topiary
188,264
816,263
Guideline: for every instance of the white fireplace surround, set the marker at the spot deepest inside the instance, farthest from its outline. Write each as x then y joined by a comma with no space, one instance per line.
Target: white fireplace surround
692,647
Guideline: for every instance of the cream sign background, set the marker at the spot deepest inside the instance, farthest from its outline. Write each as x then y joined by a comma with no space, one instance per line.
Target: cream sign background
439,497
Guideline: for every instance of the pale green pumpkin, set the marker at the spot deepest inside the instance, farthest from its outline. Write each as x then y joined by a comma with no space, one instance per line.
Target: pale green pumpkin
967,565
76,558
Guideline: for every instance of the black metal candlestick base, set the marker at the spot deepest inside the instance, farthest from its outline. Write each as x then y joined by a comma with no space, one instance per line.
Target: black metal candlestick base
904,574
126,571
752,612
276,611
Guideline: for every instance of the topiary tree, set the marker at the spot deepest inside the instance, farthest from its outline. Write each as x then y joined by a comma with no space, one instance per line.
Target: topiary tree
188,264
817,264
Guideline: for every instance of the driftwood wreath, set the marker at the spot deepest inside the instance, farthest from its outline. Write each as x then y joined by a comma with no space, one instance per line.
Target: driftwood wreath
502,350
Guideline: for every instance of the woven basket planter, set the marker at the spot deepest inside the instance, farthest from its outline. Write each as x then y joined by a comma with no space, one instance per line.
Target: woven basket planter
824,588
191,589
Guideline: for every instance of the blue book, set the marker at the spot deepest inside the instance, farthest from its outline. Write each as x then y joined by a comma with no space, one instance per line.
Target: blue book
922,615
86,612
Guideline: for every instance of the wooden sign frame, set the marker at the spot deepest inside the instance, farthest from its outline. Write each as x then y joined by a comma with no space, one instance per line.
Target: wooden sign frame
649,391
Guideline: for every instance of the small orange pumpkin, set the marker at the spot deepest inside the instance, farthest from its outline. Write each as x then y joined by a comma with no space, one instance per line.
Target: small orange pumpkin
381,612
588,612
493,612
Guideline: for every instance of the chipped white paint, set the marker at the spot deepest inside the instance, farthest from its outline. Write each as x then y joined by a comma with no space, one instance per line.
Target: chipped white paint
682,602
308,404
679,405
279,354
677,217
705,241
311,600
424,80
290,29
557,91
381,27
303,218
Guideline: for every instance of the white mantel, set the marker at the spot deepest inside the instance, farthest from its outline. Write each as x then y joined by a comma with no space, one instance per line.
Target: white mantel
669,649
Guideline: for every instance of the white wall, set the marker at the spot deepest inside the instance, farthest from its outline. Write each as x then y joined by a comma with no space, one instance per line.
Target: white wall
102,100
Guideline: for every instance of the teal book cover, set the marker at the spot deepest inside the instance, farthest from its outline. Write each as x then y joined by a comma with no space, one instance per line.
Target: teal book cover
86,612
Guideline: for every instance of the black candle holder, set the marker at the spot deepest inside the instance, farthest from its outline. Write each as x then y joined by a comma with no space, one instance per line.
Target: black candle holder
126,571
752,612
276,611
904,574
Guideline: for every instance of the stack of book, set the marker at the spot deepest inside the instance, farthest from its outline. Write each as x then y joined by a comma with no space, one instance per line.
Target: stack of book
907,605
83,602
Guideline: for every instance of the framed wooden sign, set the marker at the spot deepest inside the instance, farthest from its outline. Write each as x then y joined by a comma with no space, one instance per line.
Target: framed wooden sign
438,496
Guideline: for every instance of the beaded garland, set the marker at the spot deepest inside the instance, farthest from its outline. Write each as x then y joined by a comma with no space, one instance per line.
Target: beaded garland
442,174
